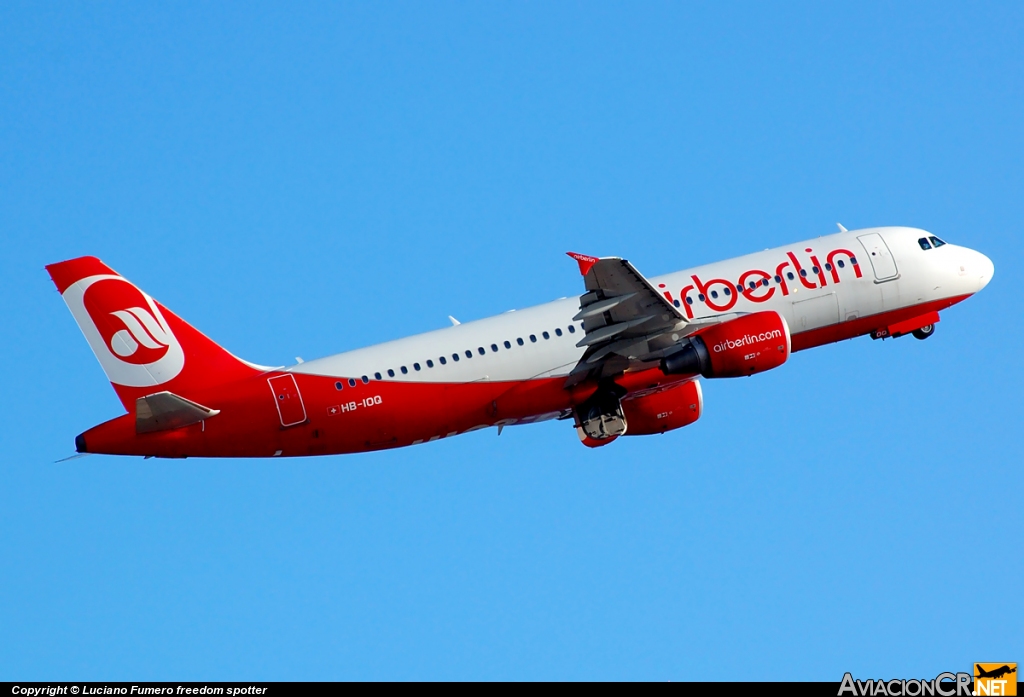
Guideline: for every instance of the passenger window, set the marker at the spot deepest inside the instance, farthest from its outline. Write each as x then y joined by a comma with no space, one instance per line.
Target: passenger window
853,260
365,379
391,373
546,335
405,370
377,376
455,357
937,242
701,297
494,348
558,330
444,361
815,269
728,292
803,272
753,285
828,267
430,363
469,354
338,385
572,329
689,300
480,350
519,341
351,382
841,263
714,294
789,275
415,366
674,302
508,344
778,279
533,338
764,282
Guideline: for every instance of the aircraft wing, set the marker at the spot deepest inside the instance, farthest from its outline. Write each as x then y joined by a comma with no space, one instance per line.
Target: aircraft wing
626,321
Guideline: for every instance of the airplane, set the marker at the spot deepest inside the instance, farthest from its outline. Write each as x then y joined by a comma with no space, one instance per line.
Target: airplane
624,358
995,673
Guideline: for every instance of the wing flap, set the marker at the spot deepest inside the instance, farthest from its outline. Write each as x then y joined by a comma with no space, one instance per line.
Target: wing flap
609,330
600,306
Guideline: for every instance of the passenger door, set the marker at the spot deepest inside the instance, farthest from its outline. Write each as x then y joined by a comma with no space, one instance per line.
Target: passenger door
290,408
882,261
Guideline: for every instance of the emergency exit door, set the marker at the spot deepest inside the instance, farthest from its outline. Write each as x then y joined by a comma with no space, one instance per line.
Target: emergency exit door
882,261
288,400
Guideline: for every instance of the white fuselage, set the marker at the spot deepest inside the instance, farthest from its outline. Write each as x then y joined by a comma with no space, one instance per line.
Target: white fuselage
513,345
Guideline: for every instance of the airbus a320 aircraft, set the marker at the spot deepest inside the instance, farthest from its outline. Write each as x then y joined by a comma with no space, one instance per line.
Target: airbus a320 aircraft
622,359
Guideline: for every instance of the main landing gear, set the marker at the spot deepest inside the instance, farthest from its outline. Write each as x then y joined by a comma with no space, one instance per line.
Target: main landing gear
600,419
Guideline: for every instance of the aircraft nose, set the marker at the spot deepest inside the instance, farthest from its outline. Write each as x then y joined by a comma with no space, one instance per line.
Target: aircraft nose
979,268
985,268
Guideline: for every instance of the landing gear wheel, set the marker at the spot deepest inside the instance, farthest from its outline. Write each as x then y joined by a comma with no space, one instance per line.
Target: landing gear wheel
924,332
601,418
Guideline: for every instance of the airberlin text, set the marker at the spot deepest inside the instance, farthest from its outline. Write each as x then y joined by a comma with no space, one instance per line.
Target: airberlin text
748,340
943,685
758,286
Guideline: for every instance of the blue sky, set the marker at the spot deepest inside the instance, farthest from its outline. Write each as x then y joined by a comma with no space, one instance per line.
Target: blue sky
303,180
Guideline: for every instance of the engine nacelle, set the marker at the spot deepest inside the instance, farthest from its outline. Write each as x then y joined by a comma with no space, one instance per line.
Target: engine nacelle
678,406
743,346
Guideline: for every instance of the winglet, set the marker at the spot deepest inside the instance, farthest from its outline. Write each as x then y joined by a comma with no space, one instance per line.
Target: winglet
584,261
841,228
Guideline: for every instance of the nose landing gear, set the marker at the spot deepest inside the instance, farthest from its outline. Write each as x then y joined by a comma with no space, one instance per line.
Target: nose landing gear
924,332
922,327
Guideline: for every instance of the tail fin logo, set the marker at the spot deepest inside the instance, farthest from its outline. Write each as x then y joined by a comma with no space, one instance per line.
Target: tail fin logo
126,331
133,333
126,342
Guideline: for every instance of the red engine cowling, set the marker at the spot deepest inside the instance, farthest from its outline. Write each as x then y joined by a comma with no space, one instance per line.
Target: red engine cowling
663,411
743,346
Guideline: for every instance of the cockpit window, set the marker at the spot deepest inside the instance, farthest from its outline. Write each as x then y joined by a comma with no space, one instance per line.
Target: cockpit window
924,243
936,241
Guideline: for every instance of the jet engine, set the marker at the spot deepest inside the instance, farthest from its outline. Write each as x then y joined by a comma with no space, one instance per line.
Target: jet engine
743,346
675,407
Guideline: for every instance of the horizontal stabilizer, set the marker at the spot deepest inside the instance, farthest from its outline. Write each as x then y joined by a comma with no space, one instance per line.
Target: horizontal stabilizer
164,411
